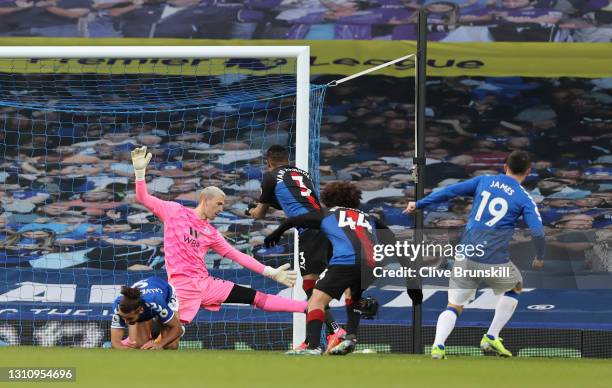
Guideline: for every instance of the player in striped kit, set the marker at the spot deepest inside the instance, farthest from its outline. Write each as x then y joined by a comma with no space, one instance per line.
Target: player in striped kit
292,190
188,235
353,235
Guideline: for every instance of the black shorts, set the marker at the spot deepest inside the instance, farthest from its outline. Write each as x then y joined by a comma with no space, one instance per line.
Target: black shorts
315,251
337,278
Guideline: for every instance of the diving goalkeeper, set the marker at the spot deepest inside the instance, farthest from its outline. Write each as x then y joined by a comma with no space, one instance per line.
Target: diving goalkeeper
188,234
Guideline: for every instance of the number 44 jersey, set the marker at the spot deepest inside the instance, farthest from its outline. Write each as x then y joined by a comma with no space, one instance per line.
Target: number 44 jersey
499,202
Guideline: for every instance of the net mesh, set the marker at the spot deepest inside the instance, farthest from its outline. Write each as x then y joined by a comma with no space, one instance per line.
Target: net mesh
71,231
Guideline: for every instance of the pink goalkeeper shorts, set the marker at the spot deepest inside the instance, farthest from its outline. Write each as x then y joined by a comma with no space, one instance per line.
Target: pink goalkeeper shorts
193,293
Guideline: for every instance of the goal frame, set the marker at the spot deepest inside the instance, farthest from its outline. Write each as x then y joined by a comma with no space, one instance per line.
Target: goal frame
300,53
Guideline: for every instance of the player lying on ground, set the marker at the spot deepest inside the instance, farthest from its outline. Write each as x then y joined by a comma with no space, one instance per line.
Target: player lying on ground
499,202
353,235
291,189
188,235
147,301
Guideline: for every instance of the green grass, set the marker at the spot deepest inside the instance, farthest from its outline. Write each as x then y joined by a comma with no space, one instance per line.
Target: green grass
202,368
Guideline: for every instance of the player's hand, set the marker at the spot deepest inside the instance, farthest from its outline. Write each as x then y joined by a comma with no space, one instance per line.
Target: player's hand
411,208
151,345
281,274
250,207
140,161
272,239
537,264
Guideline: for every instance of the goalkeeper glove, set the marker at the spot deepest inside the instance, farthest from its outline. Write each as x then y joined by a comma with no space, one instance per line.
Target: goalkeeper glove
140,160
281,274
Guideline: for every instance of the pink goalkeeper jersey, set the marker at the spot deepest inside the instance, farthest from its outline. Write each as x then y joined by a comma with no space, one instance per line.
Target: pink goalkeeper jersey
187,238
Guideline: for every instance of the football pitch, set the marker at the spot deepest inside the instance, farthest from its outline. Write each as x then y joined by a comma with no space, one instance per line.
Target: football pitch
201,368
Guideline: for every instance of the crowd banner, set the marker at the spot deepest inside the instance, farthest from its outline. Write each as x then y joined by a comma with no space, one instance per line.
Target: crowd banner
586,60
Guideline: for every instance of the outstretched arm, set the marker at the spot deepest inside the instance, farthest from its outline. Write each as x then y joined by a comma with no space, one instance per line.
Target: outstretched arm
310,220
466,188
161,208
280,274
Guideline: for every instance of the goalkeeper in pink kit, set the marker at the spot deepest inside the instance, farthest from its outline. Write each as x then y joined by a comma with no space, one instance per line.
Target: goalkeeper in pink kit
188,235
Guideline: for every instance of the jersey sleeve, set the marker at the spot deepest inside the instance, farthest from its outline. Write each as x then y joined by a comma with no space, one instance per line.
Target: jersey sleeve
532,218
222,247
268,184
161,309
116,321
466,188
157,206
310,220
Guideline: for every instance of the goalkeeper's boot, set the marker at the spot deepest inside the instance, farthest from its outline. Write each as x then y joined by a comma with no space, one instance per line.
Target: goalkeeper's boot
301,346
438,352
308,352
491,344
335,339
345,347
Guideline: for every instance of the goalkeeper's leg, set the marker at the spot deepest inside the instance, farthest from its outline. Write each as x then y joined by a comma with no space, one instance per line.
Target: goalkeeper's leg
266,302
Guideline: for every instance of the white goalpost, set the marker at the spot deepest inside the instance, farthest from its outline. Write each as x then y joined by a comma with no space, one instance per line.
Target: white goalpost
88,54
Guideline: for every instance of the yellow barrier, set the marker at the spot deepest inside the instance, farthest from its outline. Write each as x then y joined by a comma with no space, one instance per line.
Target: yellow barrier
589,60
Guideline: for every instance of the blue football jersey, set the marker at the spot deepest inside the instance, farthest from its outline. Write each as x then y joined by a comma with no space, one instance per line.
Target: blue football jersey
499,202
352,234
158,300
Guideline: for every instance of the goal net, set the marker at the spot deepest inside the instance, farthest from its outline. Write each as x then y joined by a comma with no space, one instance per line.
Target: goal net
71,232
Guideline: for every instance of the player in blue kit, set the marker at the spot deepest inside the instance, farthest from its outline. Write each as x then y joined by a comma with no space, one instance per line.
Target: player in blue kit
353,235
292,190
499,202
139,306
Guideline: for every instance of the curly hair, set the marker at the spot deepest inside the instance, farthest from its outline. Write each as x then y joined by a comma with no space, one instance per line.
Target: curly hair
344,194
131,299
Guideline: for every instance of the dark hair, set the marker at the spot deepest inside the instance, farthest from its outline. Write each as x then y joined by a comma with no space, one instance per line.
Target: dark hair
277,154
343,194
131,299
518,162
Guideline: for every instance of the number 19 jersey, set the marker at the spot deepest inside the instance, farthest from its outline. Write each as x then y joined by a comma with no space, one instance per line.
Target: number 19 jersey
499,202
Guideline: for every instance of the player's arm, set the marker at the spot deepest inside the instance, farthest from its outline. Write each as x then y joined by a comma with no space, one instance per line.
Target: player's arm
258,211
462,189
266,198
310,220
117,337
280,274
117,331
172,331
140,160
532,218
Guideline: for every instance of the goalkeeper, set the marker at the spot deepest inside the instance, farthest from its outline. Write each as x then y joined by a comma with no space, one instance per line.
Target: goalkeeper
188,234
